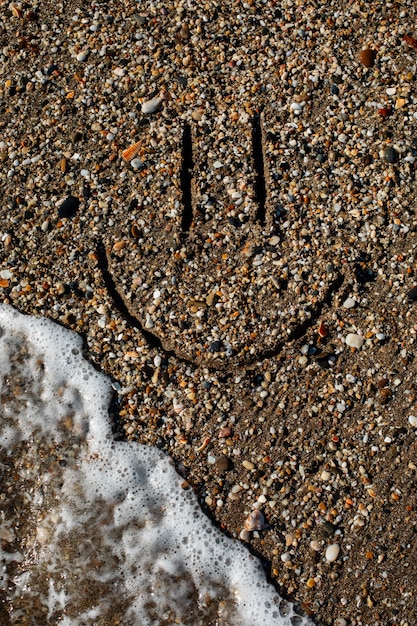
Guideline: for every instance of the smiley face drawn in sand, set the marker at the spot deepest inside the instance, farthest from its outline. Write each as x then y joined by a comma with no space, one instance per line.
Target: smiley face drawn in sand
228,263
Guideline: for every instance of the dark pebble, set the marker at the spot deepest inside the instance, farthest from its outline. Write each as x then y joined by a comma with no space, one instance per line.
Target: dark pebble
216,346
367,57
334,90
391,155
223,463
328,528
69,207
412,294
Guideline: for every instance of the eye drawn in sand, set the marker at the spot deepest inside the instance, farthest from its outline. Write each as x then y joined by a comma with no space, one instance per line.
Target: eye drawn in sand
226,266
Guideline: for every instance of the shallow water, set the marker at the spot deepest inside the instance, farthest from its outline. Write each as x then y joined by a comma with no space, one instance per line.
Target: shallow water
97,531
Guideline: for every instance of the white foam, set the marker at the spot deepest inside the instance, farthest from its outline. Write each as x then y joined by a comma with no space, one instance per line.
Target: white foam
109,533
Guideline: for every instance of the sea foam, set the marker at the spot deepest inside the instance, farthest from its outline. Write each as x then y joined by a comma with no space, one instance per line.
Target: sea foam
98,531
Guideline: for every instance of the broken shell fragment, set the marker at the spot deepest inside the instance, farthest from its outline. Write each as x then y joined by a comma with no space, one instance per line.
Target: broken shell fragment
254,521
131,152
322,330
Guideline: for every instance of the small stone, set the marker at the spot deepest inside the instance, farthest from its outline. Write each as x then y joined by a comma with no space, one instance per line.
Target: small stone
340,621
69,207
391,155
412,419
354,341
412,294
255,521
152,106
81,56
349,303
248,465
332,552
367,57
136,164
222,463
225,432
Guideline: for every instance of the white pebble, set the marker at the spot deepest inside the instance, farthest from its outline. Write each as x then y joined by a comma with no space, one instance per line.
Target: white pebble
412,419
136,163
81,56
354,341
349,303
340,621
217,164
151,106
332,552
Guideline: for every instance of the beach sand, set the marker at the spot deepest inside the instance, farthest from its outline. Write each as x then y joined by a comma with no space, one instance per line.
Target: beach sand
246,272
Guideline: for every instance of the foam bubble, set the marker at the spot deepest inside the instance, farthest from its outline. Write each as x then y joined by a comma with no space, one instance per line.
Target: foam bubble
106,533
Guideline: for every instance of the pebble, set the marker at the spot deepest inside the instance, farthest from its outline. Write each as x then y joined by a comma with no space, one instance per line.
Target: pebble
391,155
152,106
354,341
412,294
255,521
136,163
81,56
367,57
222,463
349,303
248,465
332,552
412,419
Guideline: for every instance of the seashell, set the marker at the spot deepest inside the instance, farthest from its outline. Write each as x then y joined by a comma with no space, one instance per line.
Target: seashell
119,245
63,165
135,231
16,11
131,152
367,57
412,294
151,106
254,521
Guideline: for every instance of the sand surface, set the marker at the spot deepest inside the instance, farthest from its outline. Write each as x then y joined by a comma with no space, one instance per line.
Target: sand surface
246,271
